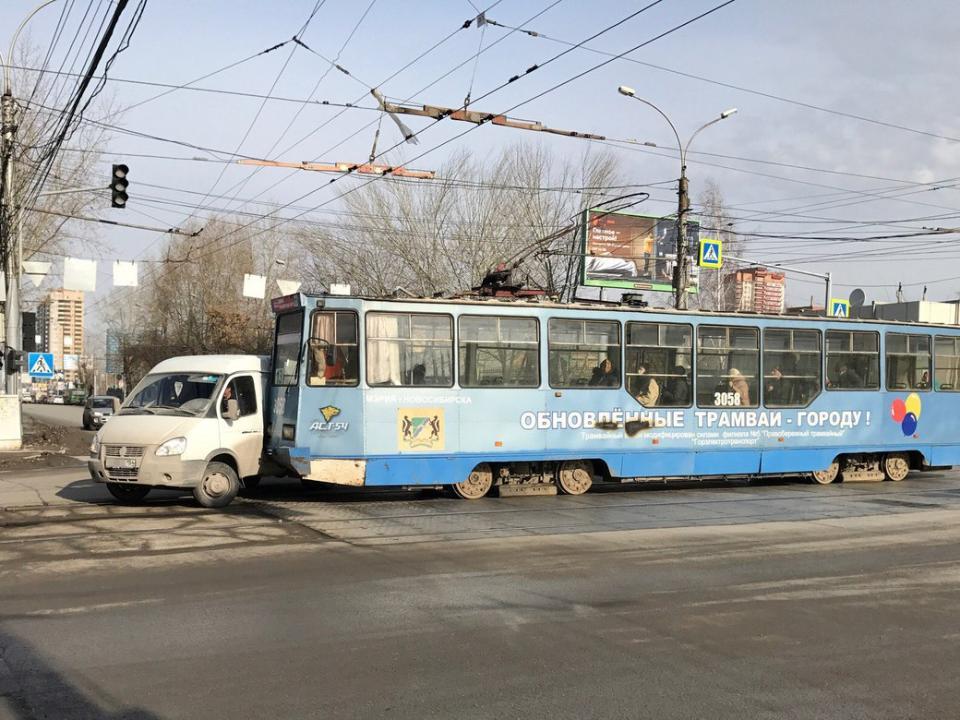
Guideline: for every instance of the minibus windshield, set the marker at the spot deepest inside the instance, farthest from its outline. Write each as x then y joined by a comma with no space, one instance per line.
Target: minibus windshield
173,393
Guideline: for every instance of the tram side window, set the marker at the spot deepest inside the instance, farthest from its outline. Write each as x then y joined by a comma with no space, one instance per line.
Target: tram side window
583,353
334,352
947,364
409,349
499,352
659,362
791,367
853,360
728,364
908,362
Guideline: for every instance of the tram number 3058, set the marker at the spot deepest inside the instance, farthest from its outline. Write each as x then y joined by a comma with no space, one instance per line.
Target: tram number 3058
726,399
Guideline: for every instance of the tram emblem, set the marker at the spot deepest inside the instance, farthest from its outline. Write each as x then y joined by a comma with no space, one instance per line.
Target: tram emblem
420,428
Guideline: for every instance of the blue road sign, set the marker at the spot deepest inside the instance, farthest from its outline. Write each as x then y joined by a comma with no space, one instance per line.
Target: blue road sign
711,253
40,365
839,308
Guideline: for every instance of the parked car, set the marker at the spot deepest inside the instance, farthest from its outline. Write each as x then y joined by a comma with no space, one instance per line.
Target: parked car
26,396
98,409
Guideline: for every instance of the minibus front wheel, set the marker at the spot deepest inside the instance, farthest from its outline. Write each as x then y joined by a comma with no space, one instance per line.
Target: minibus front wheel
218,486
128,494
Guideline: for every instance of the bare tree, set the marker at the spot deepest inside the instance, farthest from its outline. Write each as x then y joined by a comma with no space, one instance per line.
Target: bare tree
191,299
716,221
39,96
446,234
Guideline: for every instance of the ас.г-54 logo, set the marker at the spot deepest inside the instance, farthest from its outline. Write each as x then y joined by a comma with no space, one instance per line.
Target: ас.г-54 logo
329,412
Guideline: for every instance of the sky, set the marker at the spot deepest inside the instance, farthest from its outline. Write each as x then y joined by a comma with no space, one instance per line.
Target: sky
847,123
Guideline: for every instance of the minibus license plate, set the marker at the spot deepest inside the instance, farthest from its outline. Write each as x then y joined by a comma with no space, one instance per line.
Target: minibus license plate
121,463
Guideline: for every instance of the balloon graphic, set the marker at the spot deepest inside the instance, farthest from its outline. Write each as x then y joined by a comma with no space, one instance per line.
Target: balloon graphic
913,404
909,425
898,410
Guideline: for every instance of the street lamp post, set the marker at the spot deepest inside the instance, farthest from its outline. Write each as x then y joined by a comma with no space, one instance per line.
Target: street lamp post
11,215
683,206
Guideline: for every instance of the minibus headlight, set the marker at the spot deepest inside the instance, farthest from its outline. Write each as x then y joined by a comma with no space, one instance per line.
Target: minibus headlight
173,446
289,432
95,446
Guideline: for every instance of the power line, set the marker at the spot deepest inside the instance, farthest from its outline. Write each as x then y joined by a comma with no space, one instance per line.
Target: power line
751,91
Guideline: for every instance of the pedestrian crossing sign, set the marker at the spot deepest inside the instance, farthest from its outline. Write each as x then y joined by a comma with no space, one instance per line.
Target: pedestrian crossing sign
839,308
40,365
711,253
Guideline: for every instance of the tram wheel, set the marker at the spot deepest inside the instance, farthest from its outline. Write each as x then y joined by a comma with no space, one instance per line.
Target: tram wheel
828,475
575,477
477,484
896,466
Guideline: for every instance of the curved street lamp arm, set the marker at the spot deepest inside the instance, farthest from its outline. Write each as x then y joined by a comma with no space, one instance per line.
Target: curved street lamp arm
13,42
664,116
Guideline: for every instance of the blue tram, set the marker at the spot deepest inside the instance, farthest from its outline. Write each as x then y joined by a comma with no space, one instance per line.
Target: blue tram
530,396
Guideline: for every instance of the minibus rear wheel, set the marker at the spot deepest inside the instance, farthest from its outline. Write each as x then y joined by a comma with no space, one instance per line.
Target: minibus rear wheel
218,487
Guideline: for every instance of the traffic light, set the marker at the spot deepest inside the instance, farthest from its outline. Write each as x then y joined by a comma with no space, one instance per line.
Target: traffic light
118,186
13,361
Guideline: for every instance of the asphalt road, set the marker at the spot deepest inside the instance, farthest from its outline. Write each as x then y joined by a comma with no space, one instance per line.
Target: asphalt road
768,600
68,415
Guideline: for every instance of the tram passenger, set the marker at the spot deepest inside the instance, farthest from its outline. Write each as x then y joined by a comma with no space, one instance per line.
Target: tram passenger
419,374
847,377
775,389
648,389
738,383
677,389
603,375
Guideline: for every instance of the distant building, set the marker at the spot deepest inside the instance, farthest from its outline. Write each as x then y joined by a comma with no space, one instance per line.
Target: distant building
60,328
918,311
757,290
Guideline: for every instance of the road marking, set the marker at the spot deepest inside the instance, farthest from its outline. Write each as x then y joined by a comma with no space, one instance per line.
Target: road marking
81,609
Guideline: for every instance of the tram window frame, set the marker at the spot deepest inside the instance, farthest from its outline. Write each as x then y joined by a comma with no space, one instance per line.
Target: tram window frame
373,314
617,370
850,352
914,386
336,345
509,346
277,380
701,360
818,353
955,341
659,377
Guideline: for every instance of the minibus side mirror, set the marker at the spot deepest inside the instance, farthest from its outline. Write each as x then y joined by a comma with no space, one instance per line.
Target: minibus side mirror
233,410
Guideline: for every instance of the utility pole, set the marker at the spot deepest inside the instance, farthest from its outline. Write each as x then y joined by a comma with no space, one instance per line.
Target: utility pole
680,275
11,240
680,269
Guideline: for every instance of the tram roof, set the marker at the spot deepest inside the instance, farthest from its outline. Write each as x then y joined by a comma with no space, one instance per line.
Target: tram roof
596,306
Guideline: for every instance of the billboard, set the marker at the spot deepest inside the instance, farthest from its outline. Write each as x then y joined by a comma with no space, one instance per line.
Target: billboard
634,252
